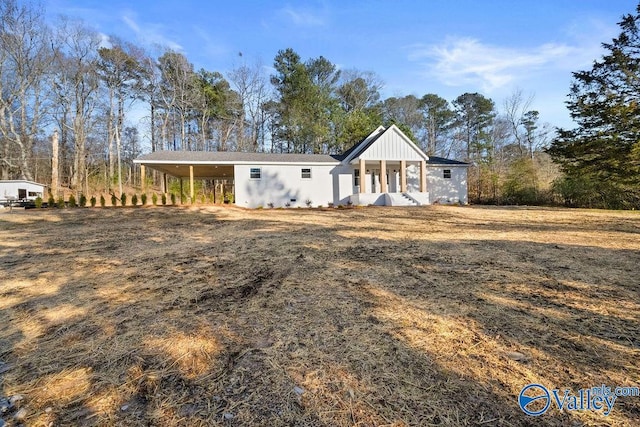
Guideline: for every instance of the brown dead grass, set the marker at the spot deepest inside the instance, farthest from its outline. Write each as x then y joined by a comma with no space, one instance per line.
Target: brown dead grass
375,316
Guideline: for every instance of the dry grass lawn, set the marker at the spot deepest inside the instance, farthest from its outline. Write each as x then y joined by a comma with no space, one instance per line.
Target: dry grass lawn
358,317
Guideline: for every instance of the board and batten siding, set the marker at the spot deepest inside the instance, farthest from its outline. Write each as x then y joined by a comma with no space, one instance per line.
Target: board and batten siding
392,146
447,190
280,184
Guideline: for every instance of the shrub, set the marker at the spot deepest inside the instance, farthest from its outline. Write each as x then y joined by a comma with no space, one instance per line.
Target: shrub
103,202
83,200
164,199
154,199
203,199
123,199
143,198
93,201
228,197
114,200
72,201
38,202
173,199
134,199
60,202
51,202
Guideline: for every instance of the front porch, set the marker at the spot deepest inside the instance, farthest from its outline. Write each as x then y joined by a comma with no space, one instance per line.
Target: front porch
389,183
390,199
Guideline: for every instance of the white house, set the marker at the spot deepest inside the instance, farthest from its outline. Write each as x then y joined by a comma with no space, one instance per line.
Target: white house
21,190
354,177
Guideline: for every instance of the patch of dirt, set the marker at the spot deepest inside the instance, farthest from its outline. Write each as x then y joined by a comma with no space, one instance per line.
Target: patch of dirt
328,317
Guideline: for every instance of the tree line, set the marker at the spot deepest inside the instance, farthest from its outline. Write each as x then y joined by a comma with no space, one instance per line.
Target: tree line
70,78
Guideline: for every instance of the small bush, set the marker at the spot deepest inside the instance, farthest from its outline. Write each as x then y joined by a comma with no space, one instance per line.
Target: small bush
103,202
154,199
60,202
123,199
143,198
83,200
173,199
203,199
51,202
93,201
259,207
114,200
134,199
228,197
164,199
38,202
72,201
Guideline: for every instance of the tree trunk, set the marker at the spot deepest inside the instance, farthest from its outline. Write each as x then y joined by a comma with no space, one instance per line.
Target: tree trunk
55,180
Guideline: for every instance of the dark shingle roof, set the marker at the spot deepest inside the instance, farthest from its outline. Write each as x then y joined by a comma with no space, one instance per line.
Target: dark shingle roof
433,160
233,156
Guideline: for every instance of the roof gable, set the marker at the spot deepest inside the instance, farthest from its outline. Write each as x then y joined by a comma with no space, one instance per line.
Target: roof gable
389,144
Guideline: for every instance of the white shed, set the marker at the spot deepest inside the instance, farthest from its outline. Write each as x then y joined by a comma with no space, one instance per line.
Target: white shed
21,190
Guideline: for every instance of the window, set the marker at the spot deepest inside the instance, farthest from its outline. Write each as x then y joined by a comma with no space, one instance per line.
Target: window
356,177
306,173
255,173
446,174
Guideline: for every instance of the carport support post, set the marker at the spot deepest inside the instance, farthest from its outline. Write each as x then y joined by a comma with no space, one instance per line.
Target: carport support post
403,176
164,184
142,178
191,192
423,176
383,176
363,171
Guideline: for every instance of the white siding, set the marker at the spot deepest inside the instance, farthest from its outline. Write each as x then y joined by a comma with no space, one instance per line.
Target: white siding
392,146
447,190
9,189
283,183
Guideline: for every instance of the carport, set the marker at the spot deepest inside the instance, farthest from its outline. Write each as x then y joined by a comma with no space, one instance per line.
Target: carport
189,165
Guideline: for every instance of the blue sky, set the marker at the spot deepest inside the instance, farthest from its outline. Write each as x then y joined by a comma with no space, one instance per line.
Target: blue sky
416,47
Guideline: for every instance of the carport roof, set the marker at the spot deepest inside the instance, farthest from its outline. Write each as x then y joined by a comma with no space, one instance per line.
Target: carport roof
230,157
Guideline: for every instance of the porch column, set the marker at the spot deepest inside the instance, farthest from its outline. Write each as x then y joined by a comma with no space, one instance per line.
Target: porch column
363,172
164,183
383,176
191,192
423,176
142,178
403,176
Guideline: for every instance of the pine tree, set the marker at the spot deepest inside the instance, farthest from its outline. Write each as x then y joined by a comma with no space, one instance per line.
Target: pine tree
603,151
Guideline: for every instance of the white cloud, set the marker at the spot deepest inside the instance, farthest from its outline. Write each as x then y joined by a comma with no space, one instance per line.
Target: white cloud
467,61
210,46
304,17
150,33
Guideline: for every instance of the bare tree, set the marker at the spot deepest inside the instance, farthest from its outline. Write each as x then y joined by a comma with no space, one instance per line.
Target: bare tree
516,107
25,53
120,69
77,83
250,83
